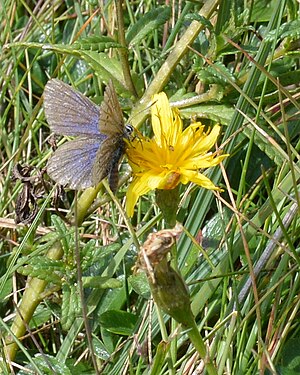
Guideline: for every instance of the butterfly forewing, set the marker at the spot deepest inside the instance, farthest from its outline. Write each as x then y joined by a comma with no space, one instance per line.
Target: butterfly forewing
111,117
68,112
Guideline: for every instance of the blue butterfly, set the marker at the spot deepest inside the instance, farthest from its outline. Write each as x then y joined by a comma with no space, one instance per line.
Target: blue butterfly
99,145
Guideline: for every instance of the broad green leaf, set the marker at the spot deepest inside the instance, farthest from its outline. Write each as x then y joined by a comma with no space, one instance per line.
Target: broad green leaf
201,19
220,113
147,24
100,349
47,365
286,30
107,68
41,316
291,355
96,255
218,73
80,368
5,291
118,321
140,284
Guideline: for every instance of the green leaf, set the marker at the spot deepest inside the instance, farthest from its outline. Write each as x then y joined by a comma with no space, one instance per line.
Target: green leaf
44,268
100,349
291,354
96,43
119,322
47,365
140,284
159,359
286,30
220,113
5,290
101,282
79,368
41,315
218,73
200,19
107,68
97,255
71,305
262,10
146,24
63,231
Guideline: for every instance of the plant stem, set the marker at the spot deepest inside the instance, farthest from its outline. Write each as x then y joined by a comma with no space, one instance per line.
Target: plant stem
31,299
199,345
123,52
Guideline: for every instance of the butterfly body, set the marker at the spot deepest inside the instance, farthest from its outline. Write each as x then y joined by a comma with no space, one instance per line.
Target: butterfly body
117,150
113,173
99,133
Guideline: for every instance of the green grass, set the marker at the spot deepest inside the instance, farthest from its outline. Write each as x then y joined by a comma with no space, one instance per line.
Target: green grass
243,63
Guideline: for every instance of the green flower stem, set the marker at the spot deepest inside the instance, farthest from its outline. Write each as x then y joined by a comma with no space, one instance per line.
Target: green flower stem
168,201
85,201
31,299
164,335
139,114
199,345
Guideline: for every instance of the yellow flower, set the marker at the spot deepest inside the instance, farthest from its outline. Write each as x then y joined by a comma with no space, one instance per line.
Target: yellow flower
172,156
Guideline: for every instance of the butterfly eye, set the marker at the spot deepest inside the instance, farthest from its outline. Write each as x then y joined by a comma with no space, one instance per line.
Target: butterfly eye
128,129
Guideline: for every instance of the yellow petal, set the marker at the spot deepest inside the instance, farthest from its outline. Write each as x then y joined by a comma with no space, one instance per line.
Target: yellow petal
204,144
199,179
161,117
155,180
137,188
203,161
166,123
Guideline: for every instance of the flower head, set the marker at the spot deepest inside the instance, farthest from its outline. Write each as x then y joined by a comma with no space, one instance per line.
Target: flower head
172,156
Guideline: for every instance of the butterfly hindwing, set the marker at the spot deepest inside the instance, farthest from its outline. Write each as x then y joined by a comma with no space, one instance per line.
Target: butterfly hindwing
108,156
68,112
72,163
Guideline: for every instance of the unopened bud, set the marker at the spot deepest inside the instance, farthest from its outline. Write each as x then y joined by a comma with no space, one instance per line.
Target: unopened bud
168,288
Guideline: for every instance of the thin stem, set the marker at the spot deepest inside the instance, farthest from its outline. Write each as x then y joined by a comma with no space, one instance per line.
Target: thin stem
199,345
123,52
81,292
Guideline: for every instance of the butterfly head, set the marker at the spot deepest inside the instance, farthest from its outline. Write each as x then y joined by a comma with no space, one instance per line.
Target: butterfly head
128,130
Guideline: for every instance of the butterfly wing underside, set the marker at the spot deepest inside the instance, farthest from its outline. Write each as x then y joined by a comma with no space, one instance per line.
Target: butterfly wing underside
72,163
98,146
111,120
68,112
111,124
